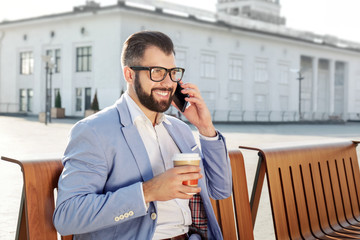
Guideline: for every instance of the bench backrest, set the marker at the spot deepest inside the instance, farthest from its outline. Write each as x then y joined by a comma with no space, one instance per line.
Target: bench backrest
233,214
312,187
41,178
37,203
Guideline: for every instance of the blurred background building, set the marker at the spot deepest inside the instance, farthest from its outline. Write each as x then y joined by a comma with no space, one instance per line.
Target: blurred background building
247,63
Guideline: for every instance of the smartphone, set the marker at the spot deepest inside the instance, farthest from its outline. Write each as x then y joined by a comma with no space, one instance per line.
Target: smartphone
179,98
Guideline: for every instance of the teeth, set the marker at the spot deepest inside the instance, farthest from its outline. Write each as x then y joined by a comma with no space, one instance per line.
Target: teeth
162,93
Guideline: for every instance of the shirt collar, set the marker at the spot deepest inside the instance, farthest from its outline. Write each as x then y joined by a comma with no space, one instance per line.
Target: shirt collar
137,113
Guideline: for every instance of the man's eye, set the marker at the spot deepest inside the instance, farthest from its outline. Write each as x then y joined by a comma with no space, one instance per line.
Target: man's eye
156,70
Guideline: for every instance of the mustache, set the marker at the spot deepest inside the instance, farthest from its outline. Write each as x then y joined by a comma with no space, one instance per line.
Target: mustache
163,89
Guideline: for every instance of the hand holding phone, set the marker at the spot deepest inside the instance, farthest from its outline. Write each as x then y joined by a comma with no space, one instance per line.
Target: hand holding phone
179,98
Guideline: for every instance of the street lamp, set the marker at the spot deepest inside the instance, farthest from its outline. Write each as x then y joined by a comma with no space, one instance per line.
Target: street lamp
299,78
48,71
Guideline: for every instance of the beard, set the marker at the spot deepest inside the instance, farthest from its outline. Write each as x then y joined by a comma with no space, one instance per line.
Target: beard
149,101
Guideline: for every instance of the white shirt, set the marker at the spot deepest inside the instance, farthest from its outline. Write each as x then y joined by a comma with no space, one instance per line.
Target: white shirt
174,216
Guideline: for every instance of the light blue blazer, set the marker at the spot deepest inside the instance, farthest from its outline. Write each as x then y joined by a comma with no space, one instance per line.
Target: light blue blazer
99,192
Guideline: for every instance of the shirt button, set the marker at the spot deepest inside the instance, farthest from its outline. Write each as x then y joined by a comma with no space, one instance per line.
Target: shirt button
131,213
153,216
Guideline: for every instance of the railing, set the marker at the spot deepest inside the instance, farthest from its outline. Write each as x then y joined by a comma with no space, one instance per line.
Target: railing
354,116
262,116
285,116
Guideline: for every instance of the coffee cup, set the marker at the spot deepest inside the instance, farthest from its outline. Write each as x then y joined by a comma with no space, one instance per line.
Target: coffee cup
187,159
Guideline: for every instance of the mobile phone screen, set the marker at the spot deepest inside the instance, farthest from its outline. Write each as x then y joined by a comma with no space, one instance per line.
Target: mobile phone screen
179,98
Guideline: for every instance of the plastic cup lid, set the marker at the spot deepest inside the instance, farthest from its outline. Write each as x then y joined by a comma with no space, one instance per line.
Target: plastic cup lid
186,156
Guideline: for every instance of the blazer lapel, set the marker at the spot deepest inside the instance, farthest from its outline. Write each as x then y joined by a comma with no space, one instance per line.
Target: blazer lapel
134,140
178,138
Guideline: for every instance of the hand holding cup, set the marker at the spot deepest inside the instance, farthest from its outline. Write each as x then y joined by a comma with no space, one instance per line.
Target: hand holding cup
187,159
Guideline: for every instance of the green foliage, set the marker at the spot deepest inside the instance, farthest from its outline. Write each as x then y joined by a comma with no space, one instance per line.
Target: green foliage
95,103
58,100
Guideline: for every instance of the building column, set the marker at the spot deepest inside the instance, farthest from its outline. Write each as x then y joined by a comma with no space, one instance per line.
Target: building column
331,86
315,67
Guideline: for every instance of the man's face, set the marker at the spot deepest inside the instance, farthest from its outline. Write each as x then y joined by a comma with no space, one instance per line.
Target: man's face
155,96
149,100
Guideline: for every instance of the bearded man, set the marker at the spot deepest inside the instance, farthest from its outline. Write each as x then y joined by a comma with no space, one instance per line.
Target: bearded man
119,181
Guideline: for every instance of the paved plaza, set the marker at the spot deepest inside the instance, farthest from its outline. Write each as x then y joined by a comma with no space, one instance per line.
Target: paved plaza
26,138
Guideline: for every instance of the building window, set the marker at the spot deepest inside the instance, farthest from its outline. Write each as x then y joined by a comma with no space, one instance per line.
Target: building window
26,100
83,59
30,95
209,97
235,69
235,101
87,98
260,102
357,106
22,100
207,66
339,74
56,57
261,72
180,59
78,92
26,63
283,74
284,103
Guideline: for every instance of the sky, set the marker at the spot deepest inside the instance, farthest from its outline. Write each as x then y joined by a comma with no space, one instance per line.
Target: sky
333,17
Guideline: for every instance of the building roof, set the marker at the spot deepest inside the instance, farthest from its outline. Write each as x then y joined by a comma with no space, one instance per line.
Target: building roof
205,17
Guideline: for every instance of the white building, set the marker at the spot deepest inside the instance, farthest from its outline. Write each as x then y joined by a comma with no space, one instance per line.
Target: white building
241,58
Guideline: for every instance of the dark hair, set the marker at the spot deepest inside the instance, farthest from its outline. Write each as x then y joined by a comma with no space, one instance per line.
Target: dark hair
135,46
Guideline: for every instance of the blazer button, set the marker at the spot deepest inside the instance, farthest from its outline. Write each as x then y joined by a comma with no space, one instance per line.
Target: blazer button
126,215
117,219
121,217
153,216
131,213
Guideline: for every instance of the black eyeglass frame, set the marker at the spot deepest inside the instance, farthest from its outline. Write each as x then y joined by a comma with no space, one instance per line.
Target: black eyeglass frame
141,68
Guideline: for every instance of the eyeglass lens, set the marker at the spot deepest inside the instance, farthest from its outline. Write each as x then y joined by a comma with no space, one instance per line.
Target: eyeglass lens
158,74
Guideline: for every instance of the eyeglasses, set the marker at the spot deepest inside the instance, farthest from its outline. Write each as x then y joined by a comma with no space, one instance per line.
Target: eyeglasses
157,74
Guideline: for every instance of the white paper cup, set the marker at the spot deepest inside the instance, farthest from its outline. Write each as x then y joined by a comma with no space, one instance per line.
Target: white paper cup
187,159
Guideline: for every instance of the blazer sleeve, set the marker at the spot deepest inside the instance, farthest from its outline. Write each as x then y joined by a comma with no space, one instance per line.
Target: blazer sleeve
217,167
82,206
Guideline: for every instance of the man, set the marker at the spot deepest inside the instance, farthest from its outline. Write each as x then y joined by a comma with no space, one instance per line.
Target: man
118,180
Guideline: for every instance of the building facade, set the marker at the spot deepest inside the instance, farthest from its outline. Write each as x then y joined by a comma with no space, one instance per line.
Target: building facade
244,59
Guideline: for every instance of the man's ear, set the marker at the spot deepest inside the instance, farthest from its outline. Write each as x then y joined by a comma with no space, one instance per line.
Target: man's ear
129,74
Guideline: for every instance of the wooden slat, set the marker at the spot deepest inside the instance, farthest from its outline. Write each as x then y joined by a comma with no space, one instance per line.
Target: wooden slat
233,213
40,180
241,196
314,190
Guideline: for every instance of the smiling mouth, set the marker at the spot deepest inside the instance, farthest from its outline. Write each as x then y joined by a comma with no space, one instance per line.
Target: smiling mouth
163,92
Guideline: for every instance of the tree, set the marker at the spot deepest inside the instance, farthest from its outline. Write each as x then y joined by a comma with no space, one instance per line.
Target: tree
95,103
58,100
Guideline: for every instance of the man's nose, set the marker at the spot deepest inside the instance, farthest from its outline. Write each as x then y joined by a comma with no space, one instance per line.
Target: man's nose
167,80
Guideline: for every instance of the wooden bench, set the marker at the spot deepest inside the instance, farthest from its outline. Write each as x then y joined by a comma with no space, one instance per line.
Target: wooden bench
41,178
314,190
37,203
233,214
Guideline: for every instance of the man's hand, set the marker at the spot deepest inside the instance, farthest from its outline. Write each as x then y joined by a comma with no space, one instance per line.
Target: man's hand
168,185
198,113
